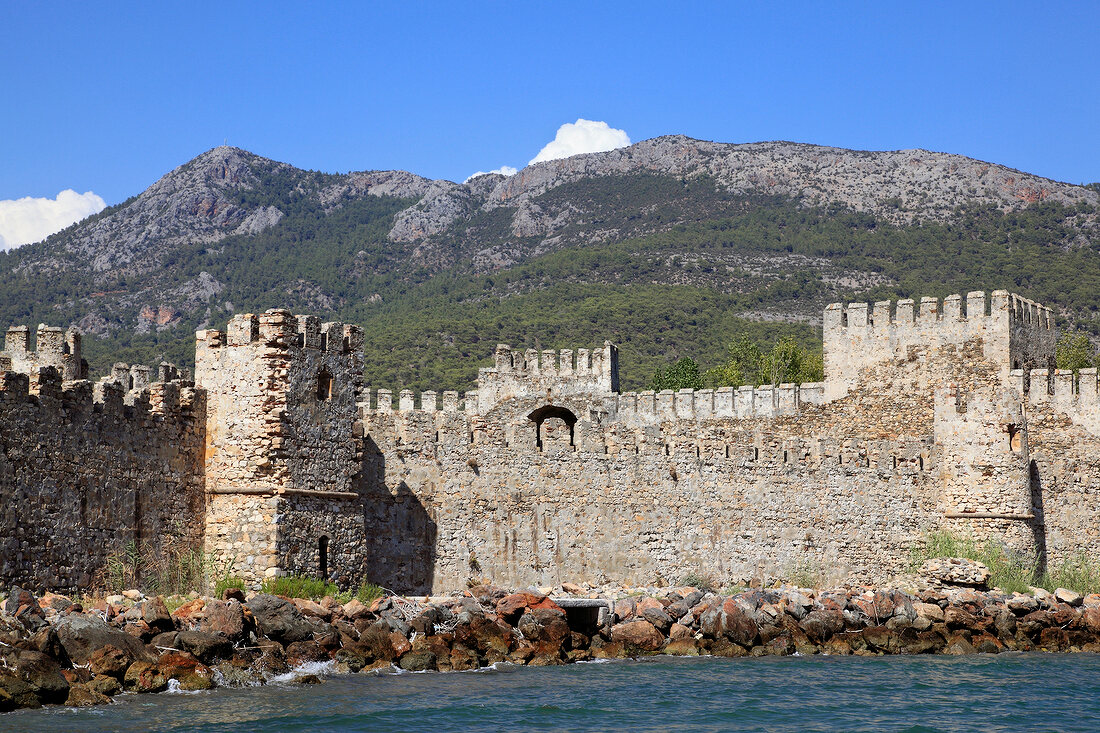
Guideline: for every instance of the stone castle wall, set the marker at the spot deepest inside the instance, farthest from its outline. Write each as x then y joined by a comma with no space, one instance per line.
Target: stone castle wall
277,461
87,469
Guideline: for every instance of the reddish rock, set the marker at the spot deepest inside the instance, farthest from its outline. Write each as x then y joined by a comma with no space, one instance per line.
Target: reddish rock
142,676
155,614
679,631
1053,640
1090,620
602,649
639,635
185,669
190,612
82,696
226,618
485,635
684,647
463,658
301,652
822,625
399,643
353,609
110,661
737,624
315,610
626,608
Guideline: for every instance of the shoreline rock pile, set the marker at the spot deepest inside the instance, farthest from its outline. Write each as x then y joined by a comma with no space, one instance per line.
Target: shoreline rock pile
54,651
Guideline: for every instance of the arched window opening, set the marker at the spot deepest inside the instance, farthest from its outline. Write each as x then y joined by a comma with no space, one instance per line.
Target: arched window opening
558,420
324,385
1015,438
322,557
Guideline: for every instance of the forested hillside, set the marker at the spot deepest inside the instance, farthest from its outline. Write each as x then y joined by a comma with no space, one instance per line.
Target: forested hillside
666,260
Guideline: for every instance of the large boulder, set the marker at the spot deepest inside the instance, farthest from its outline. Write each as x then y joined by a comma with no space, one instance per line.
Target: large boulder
41,678
185,669
110,661
83,696
145,676
511,607
82,635
280,620
228,618
23,606
638,635
155,614
737,623
204,645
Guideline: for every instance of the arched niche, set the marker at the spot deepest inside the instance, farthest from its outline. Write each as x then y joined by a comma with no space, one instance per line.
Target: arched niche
549,412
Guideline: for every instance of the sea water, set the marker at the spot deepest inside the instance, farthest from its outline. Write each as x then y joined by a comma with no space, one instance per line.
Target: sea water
1006,692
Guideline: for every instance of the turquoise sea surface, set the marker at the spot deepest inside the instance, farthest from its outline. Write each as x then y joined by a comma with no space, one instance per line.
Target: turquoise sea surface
1006,692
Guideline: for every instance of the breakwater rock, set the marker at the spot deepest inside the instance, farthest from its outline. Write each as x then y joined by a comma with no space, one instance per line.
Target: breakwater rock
55,651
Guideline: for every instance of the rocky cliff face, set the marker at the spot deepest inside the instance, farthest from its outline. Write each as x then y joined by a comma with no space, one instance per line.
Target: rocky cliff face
900,185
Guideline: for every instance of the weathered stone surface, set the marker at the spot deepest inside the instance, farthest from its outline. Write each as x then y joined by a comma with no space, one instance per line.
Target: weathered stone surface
301,652
227,618
155,614
187,670
143,676
280,620
204,645
83,696
106,685
83,635
110,661
417,661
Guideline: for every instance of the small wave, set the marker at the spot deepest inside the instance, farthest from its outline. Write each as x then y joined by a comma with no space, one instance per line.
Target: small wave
175,689
321,669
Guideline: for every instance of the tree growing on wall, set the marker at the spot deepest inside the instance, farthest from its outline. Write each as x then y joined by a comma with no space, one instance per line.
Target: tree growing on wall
1074,351
786,361
684,374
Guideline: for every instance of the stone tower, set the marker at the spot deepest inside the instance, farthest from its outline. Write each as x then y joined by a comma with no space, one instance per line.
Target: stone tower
280,454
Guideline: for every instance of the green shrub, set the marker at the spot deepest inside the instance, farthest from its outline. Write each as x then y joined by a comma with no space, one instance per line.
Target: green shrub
368,592
1080,573
228,581
700,580
300,586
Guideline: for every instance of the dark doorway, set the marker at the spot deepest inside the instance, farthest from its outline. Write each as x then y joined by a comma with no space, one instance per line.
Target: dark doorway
322,557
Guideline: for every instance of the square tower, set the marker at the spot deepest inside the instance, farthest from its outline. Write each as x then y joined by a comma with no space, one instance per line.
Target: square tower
280,453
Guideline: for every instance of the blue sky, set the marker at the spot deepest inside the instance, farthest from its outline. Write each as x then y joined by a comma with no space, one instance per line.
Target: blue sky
108,98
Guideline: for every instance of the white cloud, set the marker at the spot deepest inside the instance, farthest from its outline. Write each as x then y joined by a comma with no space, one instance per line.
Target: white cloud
504,170
573,138
582,136
27,220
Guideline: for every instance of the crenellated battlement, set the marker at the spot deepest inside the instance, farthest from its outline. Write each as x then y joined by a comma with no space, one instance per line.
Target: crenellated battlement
54,347
107,397
746,402
279,329
381,401
1076,395
549,373
1014,333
